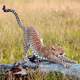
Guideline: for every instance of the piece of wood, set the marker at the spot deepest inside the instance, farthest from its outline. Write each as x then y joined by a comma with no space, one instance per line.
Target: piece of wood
74,70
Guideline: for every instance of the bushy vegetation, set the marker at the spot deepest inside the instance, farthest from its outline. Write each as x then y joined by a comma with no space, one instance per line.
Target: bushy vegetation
58,22
37,75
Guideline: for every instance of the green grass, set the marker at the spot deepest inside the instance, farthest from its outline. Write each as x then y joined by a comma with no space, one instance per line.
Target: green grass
58,22
55,26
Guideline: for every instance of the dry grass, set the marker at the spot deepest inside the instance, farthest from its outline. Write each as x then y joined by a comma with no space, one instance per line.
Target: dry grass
56,20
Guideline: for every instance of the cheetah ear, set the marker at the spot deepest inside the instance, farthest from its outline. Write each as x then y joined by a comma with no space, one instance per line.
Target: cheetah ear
53,47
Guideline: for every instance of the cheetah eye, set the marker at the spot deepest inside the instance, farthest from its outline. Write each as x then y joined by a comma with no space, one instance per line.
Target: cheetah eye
53,49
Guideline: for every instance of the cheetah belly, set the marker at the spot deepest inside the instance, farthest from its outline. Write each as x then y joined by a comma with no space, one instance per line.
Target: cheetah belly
35,52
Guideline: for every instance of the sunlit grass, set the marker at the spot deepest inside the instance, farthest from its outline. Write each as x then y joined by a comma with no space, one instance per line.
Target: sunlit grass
58,22
56,26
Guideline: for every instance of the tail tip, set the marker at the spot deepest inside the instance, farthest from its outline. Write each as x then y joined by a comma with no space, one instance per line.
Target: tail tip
4,8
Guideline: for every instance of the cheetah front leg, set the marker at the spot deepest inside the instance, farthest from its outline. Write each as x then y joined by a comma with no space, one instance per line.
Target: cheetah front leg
58,60
67,60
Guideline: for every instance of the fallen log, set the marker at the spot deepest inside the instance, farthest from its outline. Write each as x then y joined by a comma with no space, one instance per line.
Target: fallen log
74,70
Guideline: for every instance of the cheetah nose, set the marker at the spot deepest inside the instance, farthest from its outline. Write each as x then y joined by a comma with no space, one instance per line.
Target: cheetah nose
61,53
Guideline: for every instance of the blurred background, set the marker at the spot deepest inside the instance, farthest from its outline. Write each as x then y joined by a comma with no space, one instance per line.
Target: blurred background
58,22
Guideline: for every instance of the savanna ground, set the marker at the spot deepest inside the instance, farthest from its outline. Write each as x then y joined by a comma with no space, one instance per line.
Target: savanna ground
58,22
